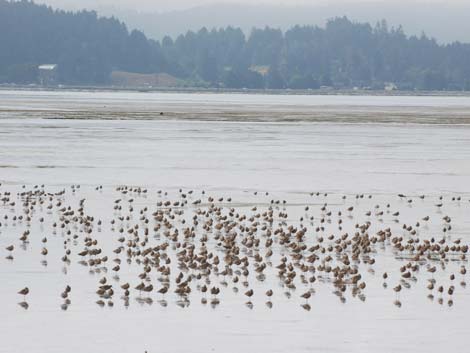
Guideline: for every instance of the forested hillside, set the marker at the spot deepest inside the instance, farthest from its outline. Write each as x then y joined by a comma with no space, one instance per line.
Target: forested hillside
85,47
343,54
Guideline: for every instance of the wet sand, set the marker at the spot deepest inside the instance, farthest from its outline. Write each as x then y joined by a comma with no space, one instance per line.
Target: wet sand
235,107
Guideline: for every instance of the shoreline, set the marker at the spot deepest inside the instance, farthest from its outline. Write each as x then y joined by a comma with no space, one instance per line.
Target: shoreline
197,90
238,107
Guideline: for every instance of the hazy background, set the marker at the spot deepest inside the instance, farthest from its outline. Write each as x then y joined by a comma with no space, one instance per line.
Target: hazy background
445,20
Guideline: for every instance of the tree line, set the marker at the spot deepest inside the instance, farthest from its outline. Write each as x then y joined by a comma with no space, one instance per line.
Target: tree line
342,54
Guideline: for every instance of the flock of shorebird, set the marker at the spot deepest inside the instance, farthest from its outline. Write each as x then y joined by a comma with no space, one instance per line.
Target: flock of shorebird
176,247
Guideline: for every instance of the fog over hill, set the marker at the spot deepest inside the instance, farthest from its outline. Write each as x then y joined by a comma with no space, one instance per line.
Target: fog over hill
445,21
83,48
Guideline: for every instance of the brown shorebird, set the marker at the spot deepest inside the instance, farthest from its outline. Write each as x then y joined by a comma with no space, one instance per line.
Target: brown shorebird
222,241
215,291
140,287
249,293
10,250
397,289
163,290
306,295
148,288
24,292
451,290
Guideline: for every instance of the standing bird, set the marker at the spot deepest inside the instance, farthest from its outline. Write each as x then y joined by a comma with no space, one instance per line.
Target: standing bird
10,250
385,276
249,293
306,295
163,290
24,292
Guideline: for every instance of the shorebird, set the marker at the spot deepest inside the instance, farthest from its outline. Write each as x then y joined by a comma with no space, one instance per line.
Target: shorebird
397,289
215,291
140,287
24,292
210,243
10,249
163,291
148,288
306,295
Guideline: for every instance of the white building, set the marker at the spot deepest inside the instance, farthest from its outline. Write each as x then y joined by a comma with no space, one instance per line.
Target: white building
47,74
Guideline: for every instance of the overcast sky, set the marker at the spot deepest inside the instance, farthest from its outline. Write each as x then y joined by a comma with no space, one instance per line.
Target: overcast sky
165,5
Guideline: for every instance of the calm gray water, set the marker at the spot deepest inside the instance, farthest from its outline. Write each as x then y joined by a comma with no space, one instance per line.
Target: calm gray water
237,155
226,150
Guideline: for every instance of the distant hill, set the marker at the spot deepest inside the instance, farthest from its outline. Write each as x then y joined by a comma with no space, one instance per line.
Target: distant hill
82,48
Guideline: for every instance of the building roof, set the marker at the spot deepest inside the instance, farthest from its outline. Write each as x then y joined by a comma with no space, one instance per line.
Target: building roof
47,67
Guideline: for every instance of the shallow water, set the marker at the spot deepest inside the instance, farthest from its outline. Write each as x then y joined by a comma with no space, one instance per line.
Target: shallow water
230,158
236,155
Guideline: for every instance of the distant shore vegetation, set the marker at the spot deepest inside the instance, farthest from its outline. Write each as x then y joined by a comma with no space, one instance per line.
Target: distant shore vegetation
43,46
